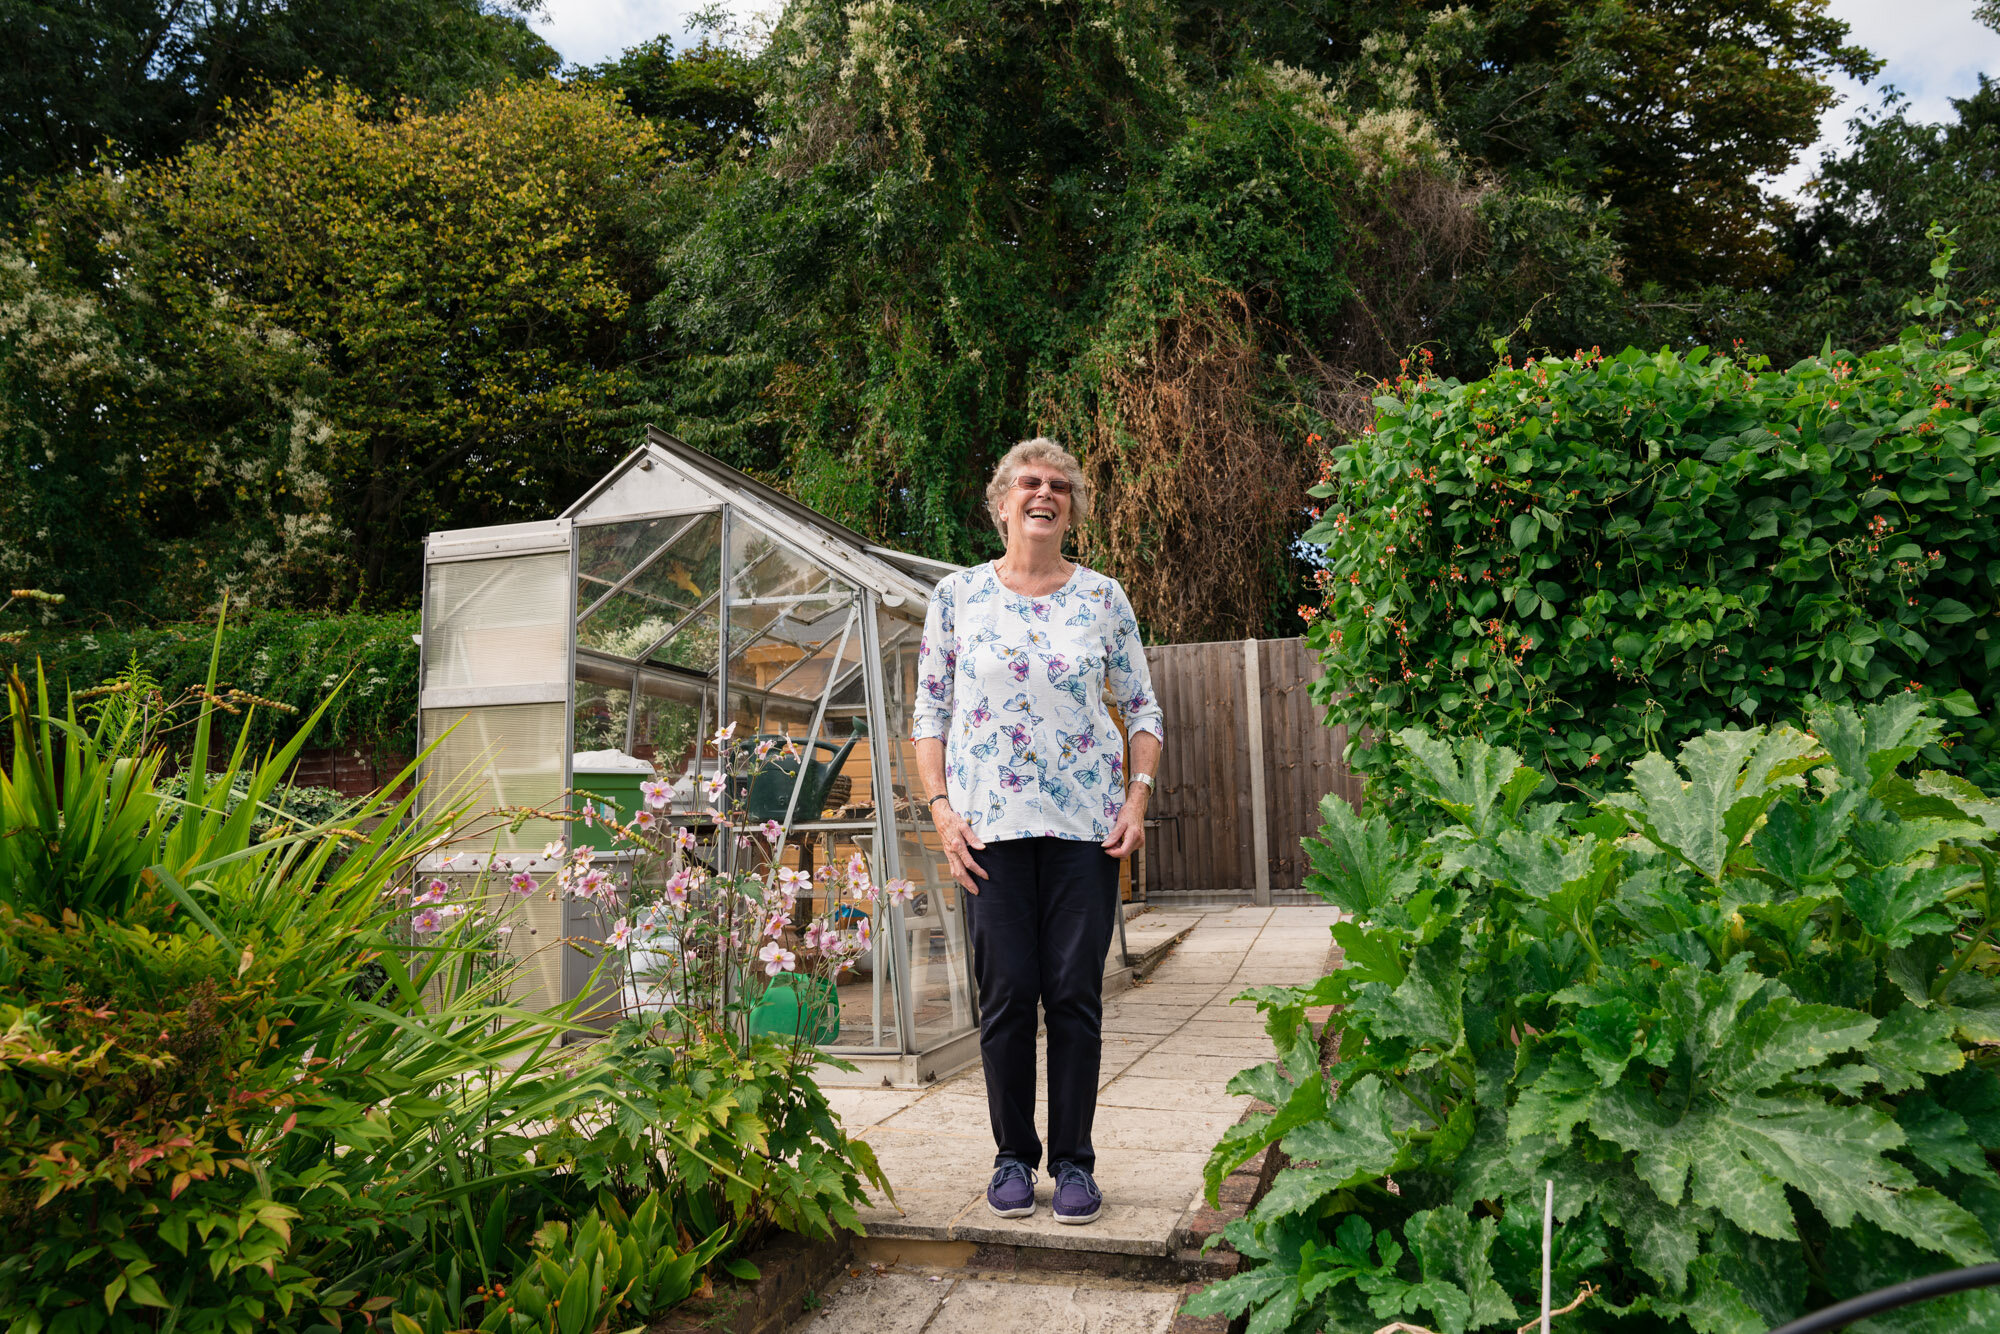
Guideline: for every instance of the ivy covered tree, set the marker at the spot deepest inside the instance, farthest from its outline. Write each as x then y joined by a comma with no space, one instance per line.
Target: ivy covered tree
1672,112
976,221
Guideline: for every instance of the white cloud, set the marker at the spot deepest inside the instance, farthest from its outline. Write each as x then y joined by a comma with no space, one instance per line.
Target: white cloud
586,32
1934,50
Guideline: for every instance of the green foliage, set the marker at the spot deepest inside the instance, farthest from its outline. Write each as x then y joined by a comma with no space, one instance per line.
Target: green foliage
285,658
1589,558
140,79
979,221
115,364
1860,248
1737,1014
237,1091
727,1132
1546,91
702,100
371,328
610,1264
293,807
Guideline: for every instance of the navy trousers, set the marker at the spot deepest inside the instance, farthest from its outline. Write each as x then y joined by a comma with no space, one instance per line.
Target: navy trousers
1041,925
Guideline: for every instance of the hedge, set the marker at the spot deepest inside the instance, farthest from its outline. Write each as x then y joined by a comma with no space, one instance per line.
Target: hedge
288,657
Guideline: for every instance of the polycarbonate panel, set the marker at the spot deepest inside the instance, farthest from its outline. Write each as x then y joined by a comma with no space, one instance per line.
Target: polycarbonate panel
501,756
535,950
498,622
527,957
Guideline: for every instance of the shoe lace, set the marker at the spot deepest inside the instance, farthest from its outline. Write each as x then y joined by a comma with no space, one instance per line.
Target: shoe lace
1009,1170
1069,1174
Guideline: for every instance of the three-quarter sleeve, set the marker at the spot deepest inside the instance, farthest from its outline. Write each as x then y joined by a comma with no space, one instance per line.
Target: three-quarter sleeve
1126,673
937,666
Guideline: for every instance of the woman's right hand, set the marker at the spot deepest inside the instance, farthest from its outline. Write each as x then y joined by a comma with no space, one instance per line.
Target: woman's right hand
959,840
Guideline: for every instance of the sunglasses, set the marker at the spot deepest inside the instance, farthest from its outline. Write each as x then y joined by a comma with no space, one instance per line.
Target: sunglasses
1028,482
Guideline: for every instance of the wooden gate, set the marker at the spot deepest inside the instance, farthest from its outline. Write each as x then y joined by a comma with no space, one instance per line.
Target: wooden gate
1246,762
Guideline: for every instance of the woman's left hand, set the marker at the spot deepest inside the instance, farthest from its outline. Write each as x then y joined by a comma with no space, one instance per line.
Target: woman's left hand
1128,834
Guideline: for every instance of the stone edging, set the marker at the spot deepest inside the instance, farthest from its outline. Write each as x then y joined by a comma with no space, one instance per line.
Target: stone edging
1242,1189
788,1268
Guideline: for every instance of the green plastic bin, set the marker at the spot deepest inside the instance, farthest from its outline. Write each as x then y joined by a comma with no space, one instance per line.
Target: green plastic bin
612,778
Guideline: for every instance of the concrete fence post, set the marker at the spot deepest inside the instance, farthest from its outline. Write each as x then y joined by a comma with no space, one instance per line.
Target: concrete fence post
1260,815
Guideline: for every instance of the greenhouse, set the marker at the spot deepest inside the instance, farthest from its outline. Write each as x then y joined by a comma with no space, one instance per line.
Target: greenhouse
583,654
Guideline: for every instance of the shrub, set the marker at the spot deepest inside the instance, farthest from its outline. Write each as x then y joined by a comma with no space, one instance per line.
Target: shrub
283,658
293,807
237,1092
1586,558
1739,1015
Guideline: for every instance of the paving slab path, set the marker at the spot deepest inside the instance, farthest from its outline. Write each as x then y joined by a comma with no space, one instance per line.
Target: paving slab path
1171,1044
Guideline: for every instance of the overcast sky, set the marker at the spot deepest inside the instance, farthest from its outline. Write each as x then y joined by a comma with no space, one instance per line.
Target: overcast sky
1934,48
585,32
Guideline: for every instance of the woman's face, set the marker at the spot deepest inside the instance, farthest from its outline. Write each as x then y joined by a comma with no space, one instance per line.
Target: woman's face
1033,507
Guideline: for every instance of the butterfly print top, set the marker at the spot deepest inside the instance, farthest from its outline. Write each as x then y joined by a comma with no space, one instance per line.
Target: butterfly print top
1016,686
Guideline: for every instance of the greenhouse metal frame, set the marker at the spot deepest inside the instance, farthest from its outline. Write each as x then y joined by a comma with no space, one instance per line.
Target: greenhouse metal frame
676,593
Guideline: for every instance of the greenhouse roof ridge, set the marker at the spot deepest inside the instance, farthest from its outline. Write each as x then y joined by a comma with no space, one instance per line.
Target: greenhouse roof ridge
883,567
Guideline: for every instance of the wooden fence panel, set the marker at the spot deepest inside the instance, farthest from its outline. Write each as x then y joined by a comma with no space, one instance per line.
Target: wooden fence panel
1205,841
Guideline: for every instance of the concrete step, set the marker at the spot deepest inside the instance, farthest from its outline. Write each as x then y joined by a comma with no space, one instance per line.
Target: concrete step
1150,936
1170,1047
874,1297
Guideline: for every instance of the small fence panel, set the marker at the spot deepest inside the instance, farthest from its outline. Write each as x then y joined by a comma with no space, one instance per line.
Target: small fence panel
1246,762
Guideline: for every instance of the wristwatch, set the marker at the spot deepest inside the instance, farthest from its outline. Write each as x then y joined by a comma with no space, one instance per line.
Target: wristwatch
1147,779
942,796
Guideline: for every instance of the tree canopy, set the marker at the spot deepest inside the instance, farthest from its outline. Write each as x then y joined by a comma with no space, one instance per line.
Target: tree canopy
405,324
344,274
142,79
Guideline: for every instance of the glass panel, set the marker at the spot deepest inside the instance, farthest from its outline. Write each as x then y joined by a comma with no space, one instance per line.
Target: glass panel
497,622
832,822
506,755
806,655
934,922
775,597
675,589
607,552
867,992
672,713
603,705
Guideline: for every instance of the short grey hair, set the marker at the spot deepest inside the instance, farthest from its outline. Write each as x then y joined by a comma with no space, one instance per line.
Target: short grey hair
1039,450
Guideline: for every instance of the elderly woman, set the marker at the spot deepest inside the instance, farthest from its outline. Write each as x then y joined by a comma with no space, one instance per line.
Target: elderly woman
1014,738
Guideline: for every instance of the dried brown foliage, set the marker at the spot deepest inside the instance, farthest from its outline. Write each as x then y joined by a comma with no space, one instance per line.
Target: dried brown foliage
1199,475
1195,485
1422,233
